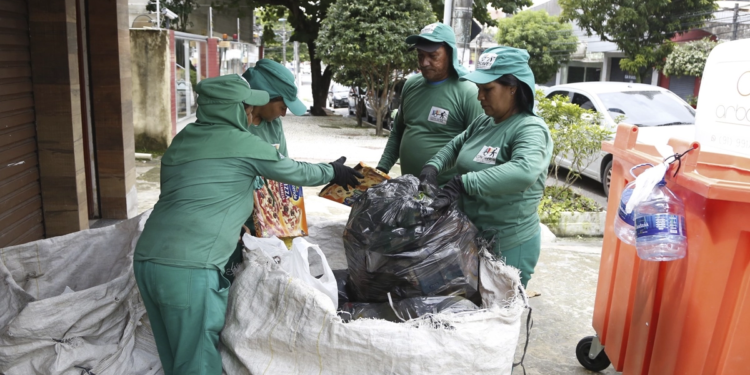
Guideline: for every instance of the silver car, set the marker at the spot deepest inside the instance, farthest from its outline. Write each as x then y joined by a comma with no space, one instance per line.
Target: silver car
658,112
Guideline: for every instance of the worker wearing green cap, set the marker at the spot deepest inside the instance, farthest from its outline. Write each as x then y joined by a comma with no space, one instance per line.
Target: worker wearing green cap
435,105
278,82
501,159
207,180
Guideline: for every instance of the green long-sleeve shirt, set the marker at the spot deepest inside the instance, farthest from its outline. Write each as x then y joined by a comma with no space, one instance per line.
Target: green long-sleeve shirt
430,116
271,132
504,167
203,204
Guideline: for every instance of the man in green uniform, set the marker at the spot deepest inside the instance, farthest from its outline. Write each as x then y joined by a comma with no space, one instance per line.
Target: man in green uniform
435,105
207,181
502,160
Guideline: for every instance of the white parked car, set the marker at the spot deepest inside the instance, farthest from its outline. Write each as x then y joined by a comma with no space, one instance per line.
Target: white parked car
658,113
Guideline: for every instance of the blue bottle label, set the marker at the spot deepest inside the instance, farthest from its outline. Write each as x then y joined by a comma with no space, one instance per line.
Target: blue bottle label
626,217
657,224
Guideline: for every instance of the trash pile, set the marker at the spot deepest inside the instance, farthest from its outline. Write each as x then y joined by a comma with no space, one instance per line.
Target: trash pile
65,316
280,324
404,258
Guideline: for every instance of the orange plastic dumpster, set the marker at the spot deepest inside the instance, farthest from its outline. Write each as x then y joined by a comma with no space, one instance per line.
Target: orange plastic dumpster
689,316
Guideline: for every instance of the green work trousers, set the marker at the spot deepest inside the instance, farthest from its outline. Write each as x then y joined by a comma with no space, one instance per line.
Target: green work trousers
186,307
523,256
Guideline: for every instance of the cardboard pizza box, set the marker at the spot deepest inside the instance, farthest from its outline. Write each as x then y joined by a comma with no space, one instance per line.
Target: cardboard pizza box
279,210
371,178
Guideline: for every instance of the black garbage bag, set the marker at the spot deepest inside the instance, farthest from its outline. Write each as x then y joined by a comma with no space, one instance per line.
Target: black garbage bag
342,276
405,309
395,243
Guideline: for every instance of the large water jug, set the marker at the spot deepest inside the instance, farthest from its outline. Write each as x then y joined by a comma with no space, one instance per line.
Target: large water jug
624,225
660,226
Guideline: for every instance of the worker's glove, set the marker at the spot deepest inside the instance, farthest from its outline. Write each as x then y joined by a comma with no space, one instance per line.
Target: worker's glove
450,193
343,175
428,181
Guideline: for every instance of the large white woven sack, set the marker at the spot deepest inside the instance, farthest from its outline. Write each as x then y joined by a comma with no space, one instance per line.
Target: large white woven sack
70,305
277,324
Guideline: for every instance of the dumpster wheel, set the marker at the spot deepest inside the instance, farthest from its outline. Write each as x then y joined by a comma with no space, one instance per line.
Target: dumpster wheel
583,353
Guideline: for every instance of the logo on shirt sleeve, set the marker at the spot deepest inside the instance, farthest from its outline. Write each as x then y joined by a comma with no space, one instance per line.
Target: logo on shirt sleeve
438,115
277,145
488,155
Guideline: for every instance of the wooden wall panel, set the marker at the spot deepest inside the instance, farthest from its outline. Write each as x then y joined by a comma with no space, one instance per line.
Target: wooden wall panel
54,72
111,106
20,198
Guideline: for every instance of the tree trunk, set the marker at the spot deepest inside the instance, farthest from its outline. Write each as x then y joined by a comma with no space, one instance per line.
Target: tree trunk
639,75
379,122
380,110
321,80
360,108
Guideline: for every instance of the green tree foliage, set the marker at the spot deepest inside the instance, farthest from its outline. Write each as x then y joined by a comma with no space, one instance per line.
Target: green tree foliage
550,42
182,8
303,20
273,35
575,132
689,59
640,28
479,9
577,136
369,36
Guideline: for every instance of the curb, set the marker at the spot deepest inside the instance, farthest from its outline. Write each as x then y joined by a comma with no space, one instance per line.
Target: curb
587,224
385,131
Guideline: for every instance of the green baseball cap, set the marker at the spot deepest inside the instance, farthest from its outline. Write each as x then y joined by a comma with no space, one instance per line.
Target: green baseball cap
274,78
228,89
438,33
498,61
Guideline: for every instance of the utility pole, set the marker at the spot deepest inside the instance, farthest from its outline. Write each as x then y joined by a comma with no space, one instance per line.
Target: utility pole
462,20
297,79
735,20
283,39
210,22
238,29
447,12
158,14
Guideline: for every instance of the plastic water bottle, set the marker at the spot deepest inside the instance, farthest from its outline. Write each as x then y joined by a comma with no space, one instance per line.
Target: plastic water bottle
660,226
624,229
624,222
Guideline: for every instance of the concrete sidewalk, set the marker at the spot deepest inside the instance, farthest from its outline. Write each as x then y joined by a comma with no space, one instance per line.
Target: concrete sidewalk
566,274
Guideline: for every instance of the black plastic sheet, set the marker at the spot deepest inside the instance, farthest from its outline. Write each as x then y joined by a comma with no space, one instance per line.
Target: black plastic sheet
342,276
395,243
405,309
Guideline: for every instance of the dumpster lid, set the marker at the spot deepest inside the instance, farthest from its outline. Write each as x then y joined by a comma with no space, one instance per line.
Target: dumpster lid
723,114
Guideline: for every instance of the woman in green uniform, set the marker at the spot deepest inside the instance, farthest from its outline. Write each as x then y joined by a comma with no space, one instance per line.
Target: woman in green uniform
502,160
278,82
207,179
